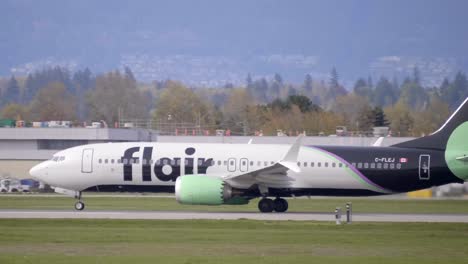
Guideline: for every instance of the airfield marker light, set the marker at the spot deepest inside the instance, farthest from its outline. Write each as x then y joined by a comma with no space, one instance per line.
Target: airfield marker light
338,215
349,213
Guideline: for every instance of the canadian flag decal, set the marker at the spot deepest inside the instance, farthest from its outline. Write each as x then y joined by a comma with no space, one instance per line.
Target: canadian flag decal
403,160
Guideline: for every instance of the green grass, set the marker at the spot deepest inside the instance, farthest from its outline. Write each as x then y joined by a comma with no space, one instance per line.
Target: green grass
241,241
367,205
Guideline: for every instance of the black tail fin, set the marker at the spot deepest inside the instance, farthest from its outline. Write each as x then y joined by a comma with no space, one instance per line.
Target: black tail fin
438,140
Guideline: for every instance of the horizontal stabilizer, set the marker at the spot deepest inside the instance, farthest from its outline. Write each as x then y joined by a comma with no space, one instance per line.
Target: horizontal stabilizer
462,158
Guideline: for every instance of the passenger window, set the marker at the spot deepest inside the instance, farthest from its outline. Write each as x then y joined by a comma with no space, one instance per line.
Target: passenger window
312,164
398,166
231,162
372,165
125,161
305,164
62,158
112,161
178,162
165,162
265,163
219,163
119,161
136,161
272,162
333,164
225,162
259,163
100,160
251,163
385,166
151,161
319,164
379,165
366,165
143,161
340,164
354,164
158,162
244,163
212,162
359,165
299,163
326,164
105,161
392,166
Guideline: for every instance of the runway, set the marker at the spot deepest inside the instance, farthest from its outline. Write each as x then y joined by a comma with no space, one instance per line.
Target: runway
183,215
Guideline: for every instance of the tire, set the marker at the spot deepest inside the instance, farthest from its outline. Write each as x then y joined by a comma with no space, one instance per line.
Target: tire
79,206
266,205
281,205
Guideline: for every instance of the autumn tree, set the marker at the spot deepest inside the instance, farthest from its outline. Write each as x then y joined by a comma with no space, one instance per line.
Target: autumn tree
179,104
401,121
53,102
431,118
240,114
15,111
116,93
349,108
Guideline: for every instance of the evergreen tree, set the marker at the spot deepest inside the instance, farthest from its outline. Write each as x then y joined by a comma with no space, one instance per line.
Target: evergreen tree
334,78
248,81
416,75
361,88
129,74
12,92
460,89
379,117
308,83
384,94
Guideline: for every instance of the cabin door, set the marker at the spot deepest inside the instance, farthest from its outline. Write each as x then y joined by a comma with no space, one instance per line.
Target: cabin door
424,167
87,161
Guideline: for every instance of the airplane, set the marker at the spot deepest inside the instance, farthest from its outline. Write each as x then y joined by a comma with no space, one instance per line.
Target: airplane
215,174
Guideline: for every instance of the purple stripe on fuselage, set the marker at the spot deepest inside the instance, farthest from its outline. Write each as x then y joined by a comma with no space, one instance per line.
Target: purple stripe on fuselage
351,167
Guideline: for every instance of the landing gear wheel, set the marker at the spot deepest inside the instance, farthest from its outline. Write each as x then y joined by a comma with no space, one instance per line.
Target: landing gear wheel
79,206
266,205
281,205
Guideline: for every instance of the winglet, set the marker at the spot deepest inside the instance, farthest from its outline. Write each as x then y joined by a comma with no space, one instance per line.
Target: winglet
290,159
378,142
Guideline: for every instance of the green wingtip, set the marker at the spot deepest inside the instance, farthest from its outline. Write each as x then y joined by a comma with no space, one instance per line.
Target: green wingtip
457,150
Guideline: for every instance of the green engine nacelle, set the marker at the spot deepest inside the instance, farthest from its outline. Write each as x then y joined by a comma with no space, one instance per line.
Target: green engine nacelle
204,190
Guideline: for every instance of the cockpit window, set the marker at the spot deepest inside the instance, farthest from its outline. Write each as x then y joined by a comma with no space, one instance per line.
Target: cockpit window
58,158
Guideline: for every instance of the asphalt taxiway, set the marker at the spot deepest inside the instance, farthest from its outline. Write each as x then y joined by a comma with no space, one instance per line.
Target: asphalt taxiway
180,215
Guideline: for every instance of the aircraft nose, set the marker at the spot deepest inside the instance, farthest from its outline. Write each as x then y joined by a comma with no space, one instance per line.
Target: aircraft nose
38,171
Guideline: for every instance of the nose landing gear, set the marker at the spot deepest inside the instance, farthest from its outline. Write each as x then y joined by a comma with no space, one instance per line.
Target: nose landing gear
79,206
266,205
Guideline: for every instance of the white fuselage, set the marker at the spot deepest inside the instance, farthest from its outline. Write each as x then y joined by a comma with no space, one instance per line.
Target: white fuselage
159,164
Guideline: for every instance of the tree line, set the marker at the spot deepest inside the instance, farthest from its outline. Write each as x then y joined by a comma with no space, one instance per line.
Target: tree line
265,105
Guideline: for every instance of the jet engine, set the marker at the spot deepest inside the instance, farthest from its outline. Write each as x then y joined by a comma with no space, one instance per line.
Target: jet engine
205,190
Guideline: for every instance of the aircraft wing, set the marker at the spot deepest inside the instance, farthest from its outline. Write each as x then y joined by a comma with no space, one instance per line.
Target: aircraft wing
274,175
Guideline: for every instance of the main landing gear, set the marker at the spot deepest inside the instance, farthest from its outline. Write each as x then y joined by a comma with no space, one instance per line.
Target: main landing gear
79,206
266,205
